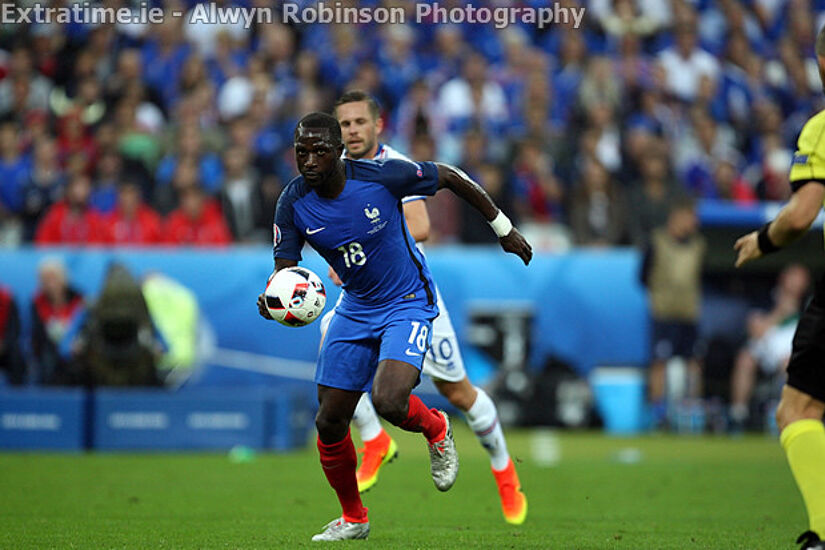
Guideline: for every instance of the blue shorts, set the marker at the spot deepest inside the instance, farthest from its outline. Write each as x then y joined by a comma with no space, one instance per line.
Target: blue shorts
353,348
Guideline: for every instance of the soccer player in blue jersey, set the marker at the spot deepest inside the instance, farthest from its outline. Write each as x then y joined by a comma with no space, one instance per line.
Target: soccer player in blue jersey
350,212
359,116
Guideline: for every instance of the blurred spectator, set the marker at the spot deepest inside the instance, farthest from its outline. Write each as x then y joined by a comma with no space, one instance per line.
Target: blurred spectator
204,35
443,208
241,198
15,168
189,146
397,63
470,101
603,131
11,356
23,90
45,186
630,17
475,229
418,114
116,343
176,315
198,221
768,349
55,307
651,199
107,176
74,138
598,213
699,153
87,102
685,63
772,173
167,197
132,222
600,85
72,220
538,195
671,272
164,54
728,184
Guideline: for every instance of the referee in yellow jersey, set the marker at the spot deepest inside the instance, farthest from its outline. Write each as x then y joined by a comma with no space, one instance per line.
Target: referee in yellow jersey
800,411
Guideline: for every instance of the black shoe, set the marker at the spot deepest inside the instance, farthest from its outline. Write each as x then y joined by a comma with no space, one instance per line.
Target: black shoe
810,541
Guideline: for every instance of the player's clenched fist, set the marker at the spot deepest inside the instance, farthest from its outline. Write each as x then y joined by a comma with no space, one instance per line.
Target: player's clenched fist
515,243
262,311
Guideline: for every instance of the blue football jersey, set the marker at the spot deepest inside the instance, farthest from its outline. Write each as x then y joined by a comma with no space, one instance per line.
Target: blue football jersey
362,233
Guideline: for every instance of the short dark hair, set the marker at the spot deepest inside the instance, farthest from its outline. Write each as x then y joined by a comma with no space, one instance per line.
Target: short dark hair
355,96
321,121
820,42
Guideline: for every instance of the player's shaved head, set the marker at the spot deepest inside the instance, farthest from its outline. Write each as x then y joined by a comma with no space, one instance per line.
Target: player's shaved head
356,96
321,121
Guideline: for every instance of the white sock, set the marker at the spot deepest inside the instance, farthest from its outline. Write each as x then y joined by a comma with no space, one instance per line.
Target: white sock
483,420
366,419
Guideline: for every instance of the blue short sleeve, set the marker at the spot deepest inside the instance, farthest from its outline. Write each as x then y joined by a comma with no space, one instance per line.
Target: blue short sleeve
403,178
287,240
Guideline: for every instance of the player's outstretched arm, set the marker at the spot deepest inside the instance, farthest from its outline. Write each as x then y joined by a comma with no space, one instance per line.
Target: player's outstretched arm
462,185
280,263
791,223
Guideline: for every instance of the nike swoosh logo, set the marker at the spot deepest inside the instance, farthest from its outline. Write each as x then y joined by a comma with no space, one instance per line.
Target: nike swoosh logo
411,354
314,231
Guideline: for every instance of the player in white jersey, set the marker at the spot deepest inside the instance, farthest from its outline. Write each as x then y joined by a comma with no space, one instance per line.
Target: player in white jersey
358,115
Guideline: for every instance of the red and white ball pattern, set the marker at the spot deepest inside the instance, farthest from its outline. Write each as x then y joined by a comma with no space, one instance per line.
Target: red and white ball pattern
295,296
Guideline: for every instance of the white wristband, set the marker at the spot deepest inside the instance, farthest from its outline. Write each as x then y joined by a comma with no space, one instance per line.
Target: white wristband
501,224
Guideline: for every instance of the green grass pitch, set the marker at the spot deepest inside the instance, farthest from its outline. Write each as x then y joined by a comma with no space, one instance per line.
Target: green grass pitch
682,493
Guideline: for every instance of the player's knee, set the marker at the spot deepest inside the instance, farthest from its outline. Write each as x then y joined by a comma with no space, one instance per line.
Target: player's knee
330,429
390,406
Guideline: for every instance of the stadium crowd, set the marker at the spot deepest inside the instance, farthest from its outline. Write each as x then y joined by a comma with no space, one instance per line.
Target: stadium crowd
180,133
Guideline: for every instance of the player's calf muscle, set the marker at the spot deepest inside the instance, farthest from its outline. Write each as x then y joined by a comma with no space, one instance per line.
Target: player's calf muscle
460,394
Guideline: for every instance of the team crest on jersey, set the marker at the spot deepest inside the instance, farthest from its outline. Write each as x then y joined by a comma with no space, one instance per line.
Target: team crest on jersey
276,235
373,214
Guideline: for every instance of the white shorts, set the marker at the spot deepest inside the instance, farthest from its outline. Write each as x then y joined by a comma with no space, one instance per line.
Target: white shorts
443,361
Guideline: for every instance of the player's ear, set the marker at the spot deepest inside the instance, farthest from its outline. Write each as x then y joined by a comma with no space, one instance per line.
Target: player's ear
340,149
379,126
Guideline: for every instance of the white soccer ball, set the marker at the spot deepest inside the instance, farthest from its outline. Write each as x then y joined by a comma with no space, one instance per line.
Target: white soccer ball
295,296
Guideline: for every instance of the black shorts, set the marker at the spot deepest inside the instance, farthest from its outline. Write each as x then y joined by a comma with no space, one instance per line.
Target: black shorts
673,339
806,369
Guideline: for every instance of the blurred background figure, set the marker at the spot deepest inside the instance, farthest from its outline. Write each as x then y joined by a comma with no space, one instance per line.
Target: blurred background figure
72,220
55,306
176,315
763,359
671,271
116,343
198,221
12,364
598,214
132,222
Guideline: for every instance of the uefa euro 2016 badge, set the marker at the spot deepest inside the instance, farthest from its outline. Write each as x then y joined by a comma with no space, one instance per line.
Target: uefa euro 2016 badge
276,235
